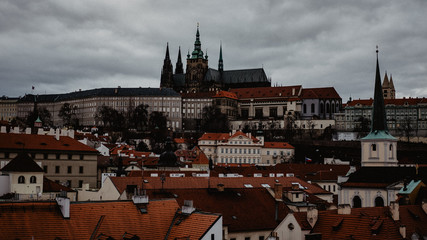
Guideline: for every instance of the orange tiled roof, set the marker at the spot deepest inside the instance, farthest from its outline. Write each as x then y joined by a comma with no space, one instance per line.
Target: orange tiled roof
319,93
201,159
41,142
224,136
278,145
362,223
179,140
225,94
242,209
215,136
204,182
266,92
43,220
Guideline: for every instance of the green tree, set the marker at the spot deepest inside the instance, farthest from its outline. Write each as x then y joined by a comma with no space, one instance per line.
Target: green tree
68,115
139,117
42,113
158,127
110,118
213,120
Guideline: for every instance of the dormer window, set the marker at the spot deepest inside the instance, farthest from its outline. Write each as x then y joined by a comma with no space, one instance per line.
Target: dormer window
33,179
21,180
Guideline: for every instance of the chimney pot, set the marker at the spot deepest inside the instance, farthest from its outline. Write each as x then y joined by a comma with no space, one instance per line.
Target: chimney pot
344,209
278,191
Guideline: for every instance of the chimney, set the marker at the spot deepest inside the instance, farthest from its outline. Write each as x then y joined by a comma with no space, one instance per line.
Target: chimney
295,186
312,214
293,91
394,209
71,134
220,187
57,134
344,209
3,129
27,130
40,131
278,191
188,208
16,130
402,230
64,205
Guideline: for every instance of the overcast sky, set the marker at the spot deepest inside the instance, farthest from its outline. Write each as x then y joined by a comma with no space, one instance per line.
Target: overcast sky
63,46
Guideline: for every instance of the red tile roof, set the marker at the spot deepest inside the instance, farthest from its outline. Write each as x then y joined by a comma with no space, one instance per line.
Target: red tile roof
242,209
43,220
225,94
204,182
362,223
42,142
278,145
319,93
224,137
266,92
51,186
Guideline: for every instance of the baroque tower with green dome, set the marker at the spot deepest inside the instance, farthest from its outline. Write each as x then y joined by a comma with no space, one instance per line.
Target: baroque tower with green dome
379,148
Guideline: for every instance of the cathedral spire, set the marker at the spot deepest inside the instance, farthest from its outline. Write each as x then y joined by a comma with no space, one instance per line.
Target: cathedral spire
220,61
179,66
167,52
197,53
378,113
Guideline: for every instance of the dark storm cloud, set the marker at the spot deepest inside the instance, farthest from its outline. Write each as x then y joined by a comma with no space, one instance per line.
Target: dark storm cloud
63,46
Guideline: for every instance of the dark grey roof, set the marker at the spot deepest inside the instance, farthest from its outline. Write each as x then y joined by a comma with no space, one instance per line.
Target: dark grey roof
244,76
22,163
101,92
386,174
237,76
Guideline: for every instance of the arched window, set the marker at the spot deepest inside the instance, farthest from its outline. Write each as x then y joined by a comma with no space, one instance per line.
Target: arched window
379,202
321,108
357,202
374,147
327,108
305,108
33,179
21,179
391,151
333,108
312,108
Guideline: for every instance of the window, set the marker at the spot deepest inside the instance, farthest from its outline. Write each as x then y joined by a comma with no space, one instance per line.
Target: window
212,236
357,202
68,183
273,112
374,147
247,238
305,108
45,169
58,156
379,202
45,156
81,156
21,179
245,113
258,113
69,169
313,109
57,169
33,179
81,169
80,183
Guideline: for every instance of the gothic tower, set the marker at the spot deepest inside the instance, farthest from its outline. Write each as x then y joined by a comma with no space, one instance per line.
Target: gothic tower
220,61
379,147
388,88
166,79
179,69
197,66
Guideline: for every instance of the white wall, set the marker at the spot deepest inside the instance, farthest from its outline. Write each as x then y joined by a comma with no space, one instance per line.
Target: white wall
216,230
4,184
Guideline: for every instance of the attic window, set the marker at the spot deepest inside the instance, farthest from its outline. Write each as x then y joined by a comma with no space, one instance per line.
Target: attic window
234,217
265,185
66,144
248,185
43,144
291,226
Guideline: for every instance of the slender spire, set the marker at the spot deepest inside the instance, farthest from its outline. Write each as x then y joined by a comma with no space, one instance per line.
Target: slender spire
179,66
385,82
167,52
220,61
378,114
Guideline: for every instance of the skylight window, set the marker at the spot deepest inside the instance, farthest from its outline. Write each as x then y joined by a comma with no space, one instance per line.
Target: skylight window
248,185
